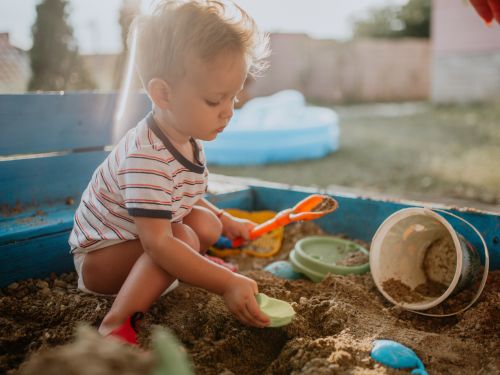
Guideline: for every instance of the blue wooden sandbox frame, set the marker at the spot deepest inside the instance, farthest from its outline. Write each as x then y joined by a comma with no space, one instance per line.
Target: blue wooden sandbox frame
50,145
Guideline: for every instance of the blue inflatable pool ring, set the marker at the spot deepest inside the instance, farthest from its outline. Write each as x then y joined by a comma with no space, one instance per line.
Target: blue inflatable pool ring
396,355
275,129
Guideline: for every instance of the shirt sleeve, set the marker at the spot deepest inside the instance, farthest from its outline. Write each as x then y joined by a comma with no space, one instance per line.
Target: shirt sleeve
146,184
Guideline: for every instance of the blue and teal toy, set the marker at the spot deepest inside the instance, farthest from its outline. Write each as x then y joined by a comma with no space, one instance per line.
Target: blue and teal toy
223,243
396,355
283,269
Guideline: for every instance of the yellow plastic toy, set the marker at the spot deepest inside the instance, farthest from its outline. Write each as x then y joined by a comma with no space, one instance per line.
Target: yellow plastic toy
265,246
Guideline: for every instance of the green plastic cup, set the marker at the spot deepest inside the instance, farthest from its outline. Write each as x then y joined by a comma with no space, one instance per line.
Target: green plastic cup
316,256
280,313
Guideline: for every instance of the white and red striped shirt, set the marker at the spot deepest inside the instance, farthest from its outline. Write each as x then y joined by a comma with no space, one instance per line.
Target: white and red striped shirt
144,175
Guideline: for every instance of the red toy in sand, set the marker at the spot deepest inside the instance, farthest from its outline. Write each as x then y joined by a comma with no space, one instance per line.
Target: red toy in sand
127,332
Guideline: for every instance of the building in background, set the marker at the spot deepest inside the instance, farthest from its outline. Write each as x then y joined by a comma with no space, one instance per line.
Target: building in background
466,54
460,63
15,68
361,70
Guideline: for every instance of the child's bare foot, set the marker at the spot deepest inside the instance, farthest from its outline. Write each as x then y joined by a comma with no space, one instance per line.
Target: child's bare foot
108,324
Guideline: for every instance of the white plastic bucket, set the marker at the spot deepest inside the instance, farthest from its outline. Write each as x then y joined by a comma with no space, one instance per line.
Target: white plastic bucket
403,249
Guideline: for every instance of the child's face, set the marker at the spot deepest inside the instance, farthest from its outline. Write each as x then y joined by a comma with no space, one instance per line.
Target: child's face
203,101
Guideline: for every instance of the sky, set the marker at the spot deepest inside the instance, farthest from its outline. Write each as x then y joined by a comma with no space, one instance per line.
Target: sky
95,22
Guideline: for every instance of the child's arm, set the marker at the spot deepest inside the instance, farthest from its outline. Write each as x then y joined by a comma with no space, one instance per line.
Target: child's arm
232,226
204,203
181,261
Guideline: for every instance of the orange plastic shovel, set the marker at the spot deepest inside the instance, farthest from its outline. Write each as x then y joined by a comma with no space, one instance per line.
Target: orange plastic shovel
310,208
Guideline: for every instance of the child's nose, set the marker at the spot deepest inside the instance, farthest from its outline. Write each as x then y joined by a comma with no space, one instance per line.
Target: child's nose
227,111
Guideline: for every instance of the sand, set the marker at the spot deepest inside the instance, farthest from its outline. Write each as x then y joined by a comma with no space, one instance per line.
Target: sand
440,261
325,205
353,258
335,324
438,266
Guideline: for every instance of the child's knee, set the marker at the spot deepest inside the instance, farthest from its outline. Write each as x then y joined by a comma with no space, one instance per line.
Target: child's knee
212,230
206,225
186,235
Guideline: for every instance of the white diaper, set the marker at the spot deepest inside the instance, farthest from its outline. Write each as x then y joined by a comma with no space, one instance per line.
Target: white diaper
78,259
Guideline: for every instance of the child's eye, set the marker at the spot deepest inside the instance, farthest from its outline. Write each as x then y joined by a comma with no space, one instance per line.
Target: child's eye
212,104
215,104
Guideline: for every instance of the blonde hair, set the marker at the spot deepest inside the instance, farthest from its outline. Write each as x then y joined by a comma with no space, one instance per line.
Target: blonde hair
205,27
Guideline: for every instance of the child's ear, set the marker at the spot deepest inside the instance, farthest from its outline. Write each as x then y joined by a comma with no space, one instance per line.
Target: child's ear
160,92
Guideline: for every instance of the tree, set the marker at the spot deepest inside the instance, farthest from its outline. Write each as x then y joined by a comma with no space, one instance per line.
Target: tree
410,20
55,61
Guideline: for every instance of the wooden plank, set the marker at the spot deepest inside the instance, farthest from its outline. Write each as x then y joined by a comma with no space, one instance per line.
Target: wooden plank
37,123
40,253
360,217
48,219
35,259
49,179
242,199
34,223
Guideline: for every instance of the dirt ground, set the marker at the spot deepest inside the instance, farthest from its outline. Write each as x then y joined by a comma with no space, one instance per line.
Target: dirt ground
416,151
336,322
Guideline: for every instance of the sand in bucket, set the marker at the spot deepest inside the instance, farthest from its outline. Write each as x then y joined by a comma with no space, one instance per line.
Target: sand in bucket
439,265
418,260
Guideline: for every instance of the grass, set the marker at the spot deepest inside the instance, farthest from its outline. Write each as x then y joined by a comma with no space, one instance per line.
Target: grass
413,150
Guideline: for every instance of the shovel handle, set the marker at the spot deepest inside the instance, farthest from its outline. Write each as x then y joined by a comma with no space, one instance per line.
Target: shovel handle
300,212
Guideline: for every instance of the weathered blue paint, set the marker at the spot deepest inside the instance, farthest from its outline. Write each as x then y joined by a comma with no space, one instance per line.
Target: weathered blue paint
48,179
35,123
242,199
34,245
40,249
35,257
33,241
36,222
360,217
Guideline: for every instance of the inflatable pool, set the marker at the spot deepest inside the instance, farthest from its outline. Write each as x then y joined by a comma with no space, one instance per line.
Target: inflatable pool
275,129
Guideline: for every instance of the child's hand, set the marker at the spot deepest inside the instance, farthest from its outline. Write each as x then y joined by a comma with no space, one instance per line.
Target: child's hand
240,300
234,227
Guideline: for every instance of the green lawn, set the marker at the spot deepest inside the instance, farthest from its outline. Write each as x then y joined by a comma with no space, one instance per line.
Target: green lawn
405,150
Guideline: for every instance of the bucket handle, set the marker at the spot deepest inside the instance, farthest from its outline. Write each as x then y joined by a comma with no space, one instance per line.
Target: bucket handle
485,271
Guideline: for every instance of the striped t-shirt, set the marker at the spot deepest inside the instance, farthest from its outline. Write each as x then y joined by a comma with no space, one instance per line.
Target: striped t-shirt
144,175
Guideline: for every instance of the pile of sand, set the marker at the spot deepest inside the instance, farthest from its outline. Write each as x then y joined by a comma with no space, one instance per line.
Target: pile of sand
336,322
